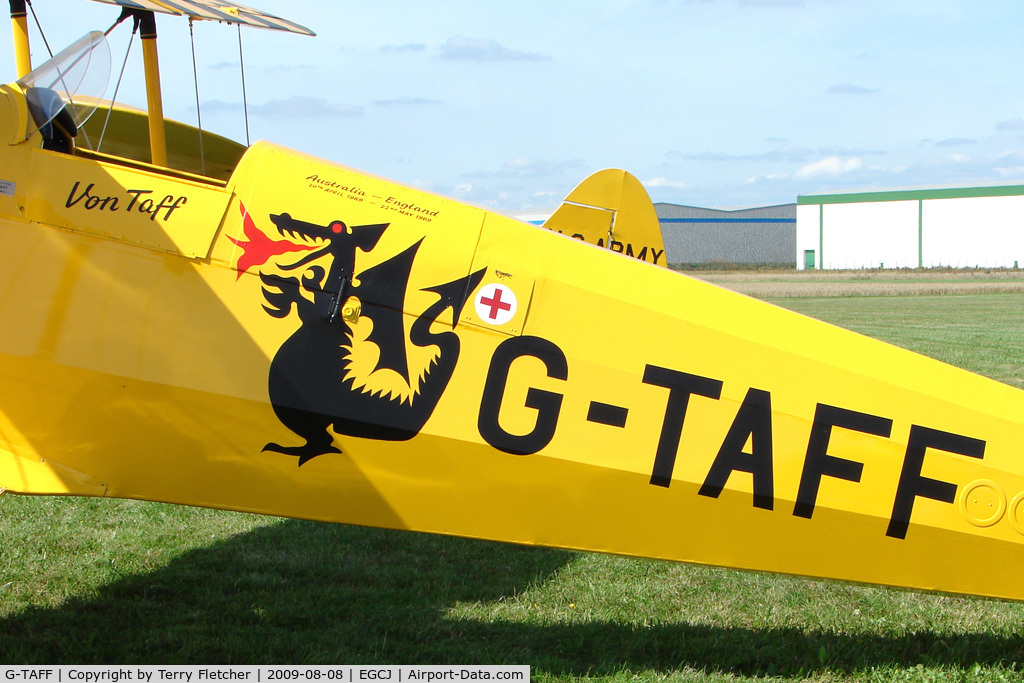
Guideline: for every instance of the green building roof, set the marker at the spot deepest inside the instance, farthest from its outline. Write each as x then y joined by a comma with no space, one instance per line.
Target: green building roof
912,194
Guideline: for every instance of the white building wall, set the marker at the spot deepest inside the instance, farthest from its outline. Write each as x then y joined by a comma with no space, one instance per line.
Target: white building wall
934,229
807,223
870,235
975,231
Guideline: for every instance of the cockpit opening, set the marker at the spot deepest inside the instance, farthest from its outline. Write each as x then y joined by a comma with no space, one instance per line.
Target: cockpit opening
64,93
66,103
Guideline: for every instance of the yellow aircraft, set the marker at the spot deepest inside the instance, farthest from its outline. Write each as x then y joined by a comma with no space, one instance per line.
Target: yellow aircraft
257,329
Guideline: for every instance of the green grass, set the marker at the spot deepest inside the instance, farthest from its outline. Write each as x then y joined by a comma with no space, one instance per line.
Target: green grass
106,581
983,333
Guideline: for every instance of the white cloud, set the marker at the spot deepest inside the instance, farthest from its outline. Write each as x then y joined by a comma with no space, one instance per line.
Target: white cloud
1012,124
837,151
522,164
476,50
782,153
214,106
1009,154
525,167
275,69
406,100
292,107
768,177
829,166
661,181
772,3
751,3
851,89
407,47
303,107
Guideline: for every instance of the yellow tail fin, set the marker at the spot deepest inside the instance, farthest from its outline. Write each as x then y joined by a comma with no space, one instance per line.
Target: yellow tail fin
611,209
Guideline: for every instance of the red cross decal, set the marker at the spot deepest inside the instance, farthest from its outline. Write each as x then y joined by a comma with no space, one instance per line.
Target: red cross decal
495,304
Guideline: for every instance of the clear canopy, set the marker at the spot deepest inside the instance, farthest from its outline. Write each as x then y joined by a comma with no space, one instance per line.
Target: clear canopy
75,79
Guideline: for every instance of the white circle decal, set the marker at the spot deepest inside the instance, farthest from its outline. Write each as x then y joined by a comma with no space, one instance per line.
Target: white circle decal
495,304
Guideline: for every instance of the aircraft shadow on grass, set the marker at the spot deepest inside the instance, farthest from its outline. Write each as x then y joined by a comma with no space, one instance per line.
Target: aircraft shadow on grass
301,592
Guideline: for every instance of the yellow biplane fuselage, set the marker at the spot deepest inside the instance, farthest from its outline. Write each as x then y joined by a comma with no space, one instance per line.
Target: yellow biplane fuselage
302,339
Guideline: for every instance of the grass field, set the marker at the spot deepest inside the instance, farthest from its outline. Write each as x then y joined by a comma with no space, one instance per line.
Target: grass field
90,581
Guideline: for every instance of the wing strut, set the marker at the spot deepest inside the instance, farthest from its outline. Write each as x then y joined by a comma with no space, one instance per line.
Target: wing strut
154,100
143,13
19,23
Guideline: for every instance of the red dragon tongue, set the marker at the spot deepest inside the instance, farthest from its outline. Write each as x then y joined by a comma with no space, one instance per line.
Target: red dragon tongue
257,248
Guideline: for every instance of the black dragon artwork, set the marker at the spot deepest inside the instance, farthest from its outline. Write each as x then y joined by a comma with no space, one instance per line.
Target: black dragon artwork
310,385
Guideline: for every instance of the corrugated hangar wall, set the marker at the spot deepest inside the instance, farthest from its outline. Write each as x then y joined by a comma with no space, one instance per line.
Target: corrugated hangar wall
964,227
758,236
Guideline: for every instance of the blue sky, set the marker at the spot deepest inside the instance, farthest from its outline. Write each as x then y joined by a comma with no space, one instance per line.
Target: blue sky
508,105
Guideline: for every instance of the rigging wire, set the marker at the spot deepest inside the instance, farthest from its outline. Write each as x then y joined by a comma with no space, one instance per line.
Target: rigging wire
42,34
245,102
199,114
39,26
117,87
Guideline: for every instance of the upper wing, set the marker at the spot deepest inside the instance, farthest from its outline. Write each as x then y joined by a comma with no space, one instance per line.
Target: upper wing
215,11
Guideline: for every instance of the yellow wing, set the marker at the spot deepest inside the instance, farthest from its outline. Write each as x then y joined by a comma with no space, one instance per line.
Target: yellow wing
215,11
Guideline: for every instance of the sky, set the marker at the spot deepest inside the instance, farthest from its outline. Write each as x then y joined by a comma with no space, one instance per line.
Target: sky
508,105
